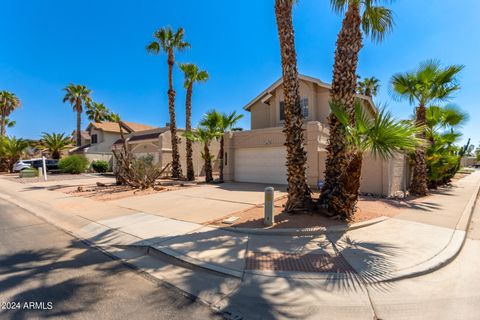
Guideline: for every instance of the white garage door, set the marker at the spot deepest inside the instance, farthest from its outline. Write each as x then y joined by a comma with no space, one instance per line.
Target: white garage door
262,165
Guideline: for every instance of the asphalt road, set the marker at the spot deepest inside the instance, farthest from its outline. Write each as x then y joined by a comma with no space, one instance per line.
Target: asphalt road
46,273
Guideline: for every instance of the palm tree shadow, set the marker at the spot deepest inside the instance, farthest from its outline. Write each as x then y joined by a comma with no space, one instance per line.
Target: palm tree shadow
369,264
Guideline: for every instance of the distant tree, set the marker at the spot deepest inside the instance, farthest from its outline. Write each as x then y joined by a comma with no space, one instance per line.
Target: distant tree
8,103
12,149
97,112
55,143
368,87
78,96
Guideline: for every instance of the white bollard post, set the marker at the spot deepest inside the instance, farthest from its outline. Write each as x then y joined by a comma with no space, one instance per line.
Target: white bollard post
44,166
268,207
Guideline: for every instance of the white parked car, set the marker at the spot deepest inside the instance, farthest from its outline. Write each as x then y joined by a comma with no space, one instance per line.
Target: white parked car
22,164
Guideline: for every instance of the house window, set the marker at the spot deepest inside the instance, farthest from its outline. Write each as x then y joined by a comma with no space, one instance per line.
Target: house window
94,139
282,110
303,105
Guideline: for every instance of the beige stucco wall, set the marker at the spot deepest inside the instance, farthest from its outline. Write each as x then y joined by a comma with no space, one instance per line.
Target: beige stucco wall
264,115
162,151
380,177
105,141
468,161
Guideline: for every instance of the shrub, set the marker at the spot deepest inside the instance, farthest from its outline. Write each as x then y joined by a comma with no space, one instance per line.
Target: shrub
73,164
28,173
100,166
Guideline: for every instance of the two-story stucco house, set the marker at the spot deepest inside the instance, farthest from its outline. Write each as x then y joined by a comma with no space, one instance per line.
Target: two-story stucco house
259,155
102,136
158,143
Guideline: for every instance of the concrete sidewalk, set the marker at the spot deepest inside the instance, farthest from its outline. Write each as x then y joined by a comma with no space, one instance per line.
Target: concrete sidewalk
419,240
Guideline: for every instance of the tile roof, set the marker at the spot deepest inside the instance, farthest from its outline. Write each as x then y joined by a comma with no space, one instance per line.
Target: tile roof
146,136
113,126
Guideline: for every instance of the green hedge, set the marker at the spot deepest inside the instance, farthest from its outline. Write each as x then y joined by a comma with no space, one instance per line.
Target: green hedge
100,166
73,164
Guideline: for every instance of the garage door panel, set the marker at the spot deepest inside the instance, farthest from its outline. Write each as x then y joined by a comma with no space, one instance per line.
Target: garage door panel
262,165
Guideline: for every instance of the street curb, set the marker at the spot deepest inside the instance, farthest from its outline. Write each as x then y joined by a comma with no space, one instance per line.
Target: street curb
449,252
196,262
304,231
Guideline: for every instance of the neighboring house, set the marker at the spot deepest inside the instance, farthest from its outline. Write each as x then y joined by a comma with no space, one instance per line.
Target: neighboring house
259,155
468,161
99,138
85,137
157,142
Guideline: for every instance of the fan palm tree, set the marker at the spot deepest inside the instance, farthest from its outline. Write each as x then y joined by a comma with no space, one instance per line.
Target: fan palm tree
224,122
205,135
12,149
368,86
97,112
166,40
299,198
55,143
375,21
429,83
443,118
382,135
192,74
8,102
78,96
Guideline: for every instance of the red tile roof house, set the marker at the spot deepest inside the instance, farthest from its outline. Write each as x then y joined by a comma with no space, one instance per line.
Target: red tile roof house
99,138
157,142
259,155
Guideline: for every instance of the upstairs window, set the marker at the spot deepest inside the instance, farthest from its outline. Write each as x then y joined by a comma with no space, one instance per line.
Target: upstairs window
282,111
94,139
303,105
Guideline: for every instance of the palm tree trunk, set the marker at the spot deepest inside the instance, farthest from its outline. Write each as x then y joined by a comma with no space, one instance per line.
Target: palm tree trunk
176,166
344,84
345,206
188,128
222,148
208,163
79,128
418,186
2,126
299,198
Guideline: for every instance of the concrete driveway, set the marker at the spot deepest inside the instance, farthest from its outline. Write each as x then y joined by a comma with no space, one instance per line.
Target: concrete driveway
201,203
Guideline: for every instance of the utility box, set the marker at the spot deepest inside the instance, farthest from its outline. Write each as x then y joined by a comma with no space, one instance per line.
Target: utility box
268,207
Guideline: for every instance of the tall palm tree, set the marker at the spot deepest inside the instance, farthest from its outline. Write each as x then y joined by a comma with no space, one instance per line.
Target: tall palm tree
166,40
192,74
224,122
382,135
78,96
55,143
8,102
375,22
429,83
12,149
97,112
368,86
299,198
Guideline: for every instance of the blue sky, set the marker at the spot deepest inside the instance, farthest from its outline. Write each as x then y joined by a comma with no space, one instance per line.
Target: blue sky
101,44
